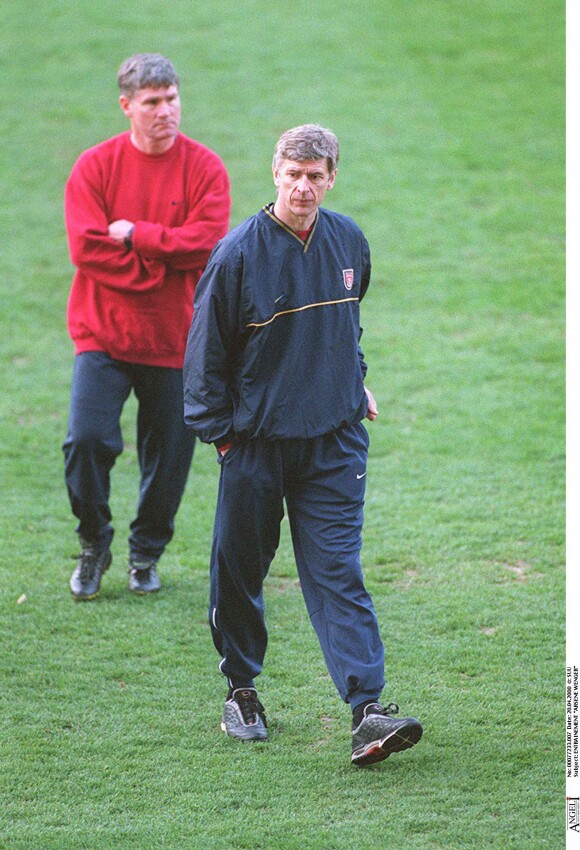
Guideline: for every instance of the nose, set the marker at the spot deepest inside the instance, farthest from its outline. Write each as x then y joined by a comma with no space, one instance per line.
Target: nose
303,184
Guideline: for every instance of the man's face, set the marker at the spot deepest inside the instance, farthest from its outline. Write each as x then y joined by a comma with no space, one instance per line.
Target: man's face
155,116
301,189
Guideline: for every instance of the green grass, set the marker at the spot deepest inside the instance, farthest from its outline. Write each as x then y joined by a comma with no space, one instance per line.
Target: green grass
451,119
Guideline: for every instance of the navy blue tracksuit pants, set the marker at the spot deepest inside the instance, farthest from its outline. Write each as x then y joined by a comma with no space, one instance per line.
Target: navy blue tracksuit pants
323,483
100,388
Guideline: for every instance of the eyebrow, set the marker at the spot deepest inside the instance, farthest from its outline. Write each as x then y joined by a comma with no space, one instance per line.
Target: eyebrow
155,98
310,171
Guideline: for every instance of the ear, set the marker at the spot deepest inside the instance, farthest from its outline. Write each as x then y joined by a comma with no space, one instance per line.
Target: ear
276,176
332,179
125,104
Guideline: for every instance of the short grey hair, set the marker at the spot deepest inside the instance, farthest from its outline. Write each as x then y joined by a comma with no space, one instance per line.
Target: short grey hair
146,70
307,142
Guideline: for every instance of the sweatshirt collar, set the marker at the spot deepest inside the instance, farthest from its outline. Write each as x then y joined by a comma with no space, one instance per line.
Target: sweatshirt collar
268,209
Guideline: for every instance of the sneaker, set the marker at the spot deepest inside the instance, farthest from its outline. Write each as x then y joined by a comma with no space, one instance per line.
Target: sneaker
85,581
244,716
379,734
143,576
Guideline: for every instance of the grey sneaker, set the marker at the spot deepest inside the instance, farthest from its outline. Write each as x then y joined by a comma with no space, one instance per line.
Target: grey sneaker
85,581
244,716
379,734
143,576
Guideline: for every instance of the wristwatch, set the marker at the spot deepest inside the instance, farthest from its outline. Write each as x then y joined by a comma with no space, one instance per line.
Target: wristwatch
128,240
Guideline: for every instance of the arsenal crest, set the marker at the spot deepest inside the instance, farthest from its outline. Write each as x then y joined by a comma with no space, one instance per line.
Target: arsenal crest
348,278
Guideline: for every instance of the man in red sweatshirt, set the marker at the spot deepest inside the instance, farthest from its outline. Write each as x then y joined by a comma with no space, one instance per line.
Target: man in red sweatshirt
143,211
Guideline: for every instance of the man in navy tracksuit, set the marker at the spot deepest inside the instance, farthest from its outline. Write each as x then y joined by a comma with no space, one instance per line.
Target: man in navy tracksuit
273,376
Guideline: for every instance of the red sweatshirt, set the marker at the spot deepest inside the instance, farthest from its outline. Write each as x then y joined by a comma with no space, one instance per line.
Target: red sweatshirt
136,303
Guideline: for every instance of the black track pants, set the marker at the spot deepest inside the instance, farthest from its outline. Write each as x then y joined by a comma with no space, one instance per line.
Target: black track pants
323,483
100,388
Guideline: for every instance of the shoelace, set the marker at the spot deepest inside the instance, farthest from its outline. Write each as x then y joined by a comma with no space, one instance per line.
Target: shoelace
388,711
88,564
250,706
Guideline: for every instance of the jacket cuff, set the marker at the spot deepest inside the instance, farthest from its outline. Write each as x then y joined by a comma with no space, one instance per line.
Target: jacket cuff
225,440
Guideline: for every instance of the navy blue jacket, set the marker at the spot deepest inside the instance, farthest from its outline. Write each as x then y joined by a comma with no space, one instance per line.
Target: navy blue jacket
273,348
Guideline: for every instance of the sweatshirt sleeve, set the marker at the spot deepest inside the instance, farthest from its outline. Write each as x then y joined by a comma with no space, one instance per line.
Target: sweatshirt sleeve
189,246
213,336
92,250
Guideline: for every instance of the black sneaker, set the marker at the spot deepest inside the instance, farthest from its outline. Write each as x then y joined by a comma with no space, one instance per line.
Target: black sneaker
244,716
379,734
85,581
143,576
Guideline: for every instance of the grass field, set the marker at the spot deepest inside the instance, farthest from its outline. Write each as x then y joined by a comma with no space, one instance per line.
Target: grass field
451,119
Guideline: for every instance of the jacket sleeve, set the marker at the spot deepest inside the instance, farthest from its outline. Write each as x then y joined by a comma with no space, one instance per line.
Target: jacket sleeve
213,336
92,250
365,281
189,246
